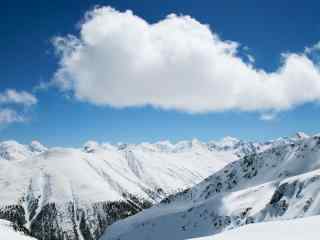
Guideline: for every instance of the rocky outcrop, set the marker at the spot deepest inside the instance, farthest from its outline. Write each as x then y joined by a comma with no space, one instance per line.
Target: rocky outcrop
70,221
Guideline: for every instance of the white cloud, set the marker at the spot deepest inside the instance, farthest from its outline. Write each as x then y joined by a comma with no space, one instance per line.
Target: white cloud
251,58
314,48
8,115
11,102
12,96
268,116
121,60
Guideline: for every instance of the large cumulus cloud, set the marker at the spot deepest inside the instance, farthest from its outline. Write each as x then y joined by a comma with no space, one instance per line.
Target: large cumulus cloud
121,60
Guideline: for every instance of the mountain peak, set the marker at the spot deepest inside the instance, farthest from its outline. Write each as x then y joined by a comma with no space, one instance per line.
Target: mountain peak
12,150
90,146
301,135
36,146
228,140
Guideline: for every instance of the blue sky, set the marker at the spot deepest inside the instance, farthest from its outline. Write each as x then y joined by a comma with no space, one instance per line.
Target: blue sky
267,28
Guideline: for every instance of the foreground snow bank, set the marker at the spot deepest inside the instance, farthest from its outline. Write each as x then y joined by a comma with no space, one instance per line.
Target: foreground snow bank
305,228
7,232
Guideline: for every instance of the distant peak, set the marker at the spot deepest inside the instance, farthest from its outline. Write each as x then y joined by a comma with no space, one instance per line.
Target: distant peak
36,146
10,143
195,142
90,146
301,135
227,141
164,142
12,150
230,139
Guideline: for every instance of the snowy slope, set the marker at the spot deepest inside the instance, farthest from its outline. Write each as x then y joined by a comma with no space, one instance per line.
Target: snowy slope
306,228
103,172
78,192
283,182
8,233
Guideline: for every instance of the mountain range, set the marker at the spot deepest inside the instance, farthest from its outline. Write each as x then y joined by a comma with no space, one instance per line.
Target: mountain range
177,190
279,183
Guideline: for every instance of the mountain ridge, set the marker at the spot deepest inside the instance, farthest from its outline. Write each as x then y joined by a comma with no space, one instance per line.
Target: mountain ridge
76,192
279,183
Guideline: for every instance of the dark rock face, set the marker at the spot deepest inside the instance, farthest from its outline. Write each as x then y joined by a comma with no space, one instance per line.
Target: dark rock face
45,225
69,221
14,214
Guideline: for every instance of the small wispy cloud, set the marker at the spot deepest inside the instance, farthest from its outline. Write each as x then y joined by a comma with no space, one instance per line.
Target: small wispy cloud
268,116
315,47
42,86
251,58
14,105
11,96
8,115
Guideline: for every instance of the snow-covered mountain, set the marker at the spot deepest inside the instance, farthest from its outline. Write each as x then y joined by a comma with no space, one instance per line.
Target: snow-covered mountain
11,150
68,193
297,229
281,182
